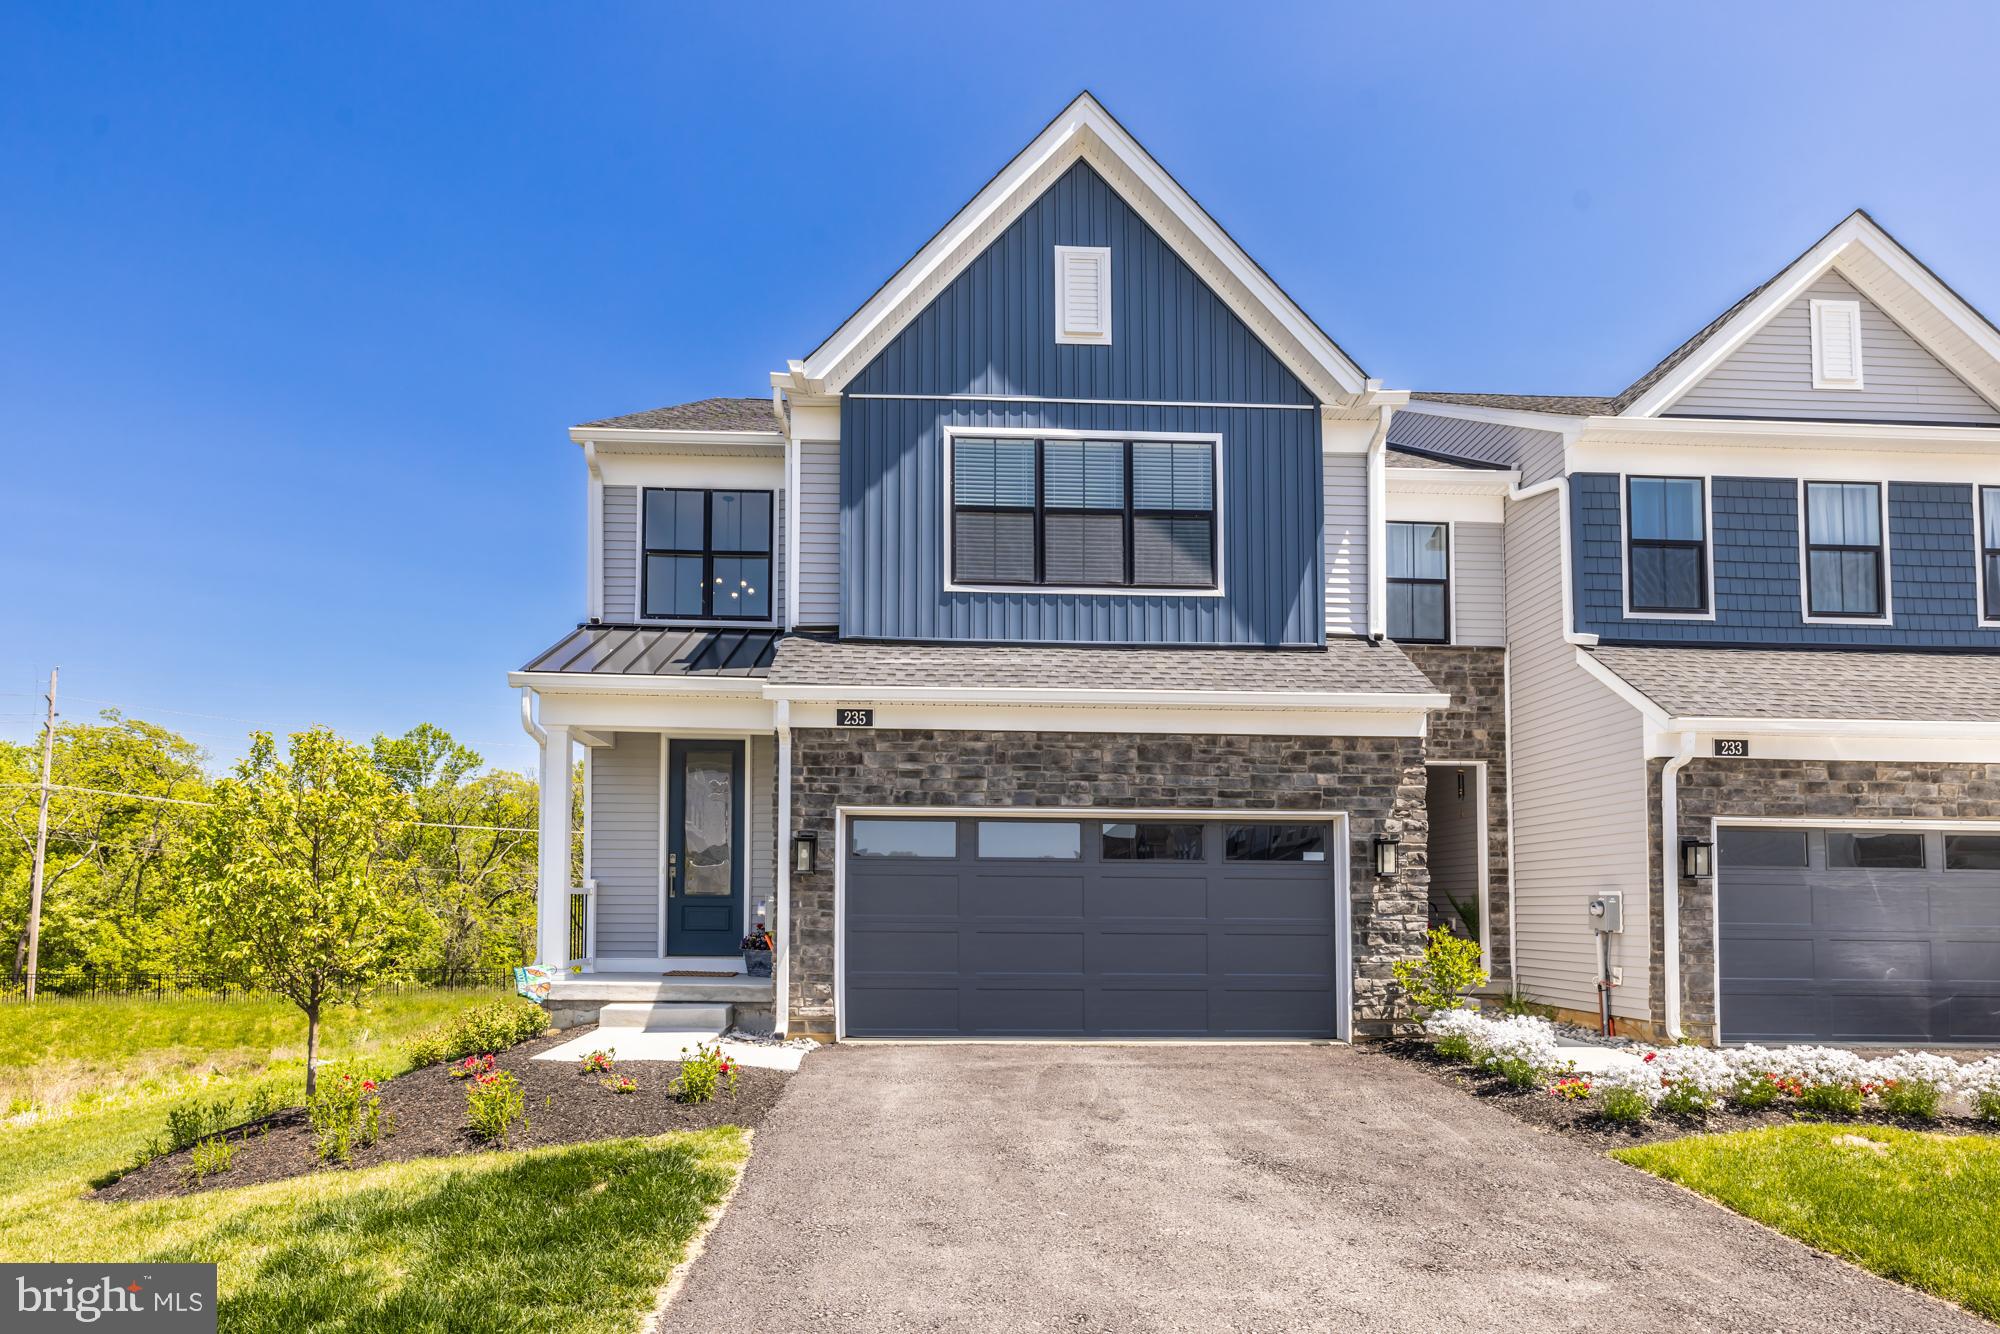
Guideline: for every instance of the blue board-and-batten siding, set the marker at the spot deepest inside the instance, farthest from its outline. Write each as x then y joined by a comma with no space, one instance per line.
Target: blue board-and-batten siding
892,479
991,332
1755,547
992,329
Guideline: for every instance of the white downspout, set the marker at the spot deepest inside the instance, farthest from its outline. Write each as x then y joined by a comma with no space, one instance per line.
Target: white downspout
528,723
781,955
1670,884
593,599
1378,525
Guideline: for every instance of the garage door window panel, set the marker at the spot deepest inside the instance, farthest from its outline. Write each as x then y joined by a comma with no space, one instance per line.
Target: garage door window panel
1030,840
1851,850
1972,852
1764,847
1144,842
1275,843
909,839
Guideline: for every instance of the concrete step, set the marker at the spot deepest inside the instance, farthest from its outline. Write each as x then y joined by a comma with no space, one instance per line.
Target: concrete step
665,1017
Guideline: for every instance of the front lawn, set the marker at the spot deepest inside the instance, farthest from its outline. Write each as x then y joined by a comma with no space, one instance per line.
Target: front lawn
1914,1207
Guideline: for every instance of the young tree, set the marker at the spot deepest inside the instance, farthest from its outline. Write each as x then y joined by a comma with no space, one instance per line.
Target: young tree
286,866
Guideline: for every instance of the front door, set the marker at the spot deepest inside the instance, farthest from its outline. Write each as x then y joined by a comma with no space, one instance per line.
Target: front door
704,847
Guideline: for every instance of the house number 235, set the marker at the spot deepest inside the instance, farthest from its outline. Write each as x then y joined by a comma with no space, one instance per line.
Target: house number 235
855,717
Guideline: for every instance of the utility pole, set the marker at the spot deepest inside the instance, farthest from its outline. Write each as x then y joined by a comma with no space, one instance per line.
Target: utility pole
41,841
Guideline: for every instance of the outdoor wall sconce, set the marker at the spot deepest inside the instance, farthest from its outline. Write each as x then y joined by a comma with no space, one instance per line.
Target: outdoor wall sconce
805,853
1697,859
1388,854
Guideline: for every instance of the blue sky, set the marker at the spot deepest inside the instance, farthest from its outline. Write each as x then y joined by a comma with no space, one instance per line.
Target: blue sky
296,302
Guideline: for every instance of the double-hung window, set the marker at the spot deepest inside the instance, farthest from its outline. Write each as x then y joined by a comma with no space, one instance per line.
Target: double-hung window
1989,550
1666,539
1419,579
1083,513
1844,556
707,554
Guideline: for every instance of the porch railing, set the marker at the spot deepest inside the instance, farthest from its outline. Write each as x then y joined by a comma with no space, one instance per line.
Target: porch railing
583,923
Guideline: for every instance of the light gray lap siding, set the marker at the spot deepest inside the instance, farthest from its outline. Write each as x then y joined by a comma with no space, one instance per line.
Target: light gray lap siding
819,533
1770,375
625,845
1345,504
621,553
1479,569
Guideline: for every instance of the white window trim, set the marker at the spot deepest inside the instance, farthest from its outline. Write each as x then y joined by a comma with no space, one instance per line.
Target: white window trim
1450,583
1888,616
1102,255
951,434
1625,547
639,616
1979,556
1820,380
1339,862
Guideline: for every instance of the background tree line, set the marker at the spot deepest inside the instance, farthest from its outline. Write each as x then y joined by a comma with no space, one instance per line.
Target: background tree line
447,848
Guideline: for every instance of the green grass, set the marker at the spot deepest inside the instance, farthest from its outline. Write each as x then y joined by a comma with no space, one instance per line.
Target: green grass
67,1056
572,1238
1919,1209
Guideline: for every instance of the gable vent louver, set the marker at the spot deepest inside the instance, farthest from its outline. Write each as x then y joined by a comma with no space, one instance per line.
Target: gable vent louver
1083,294
1836,344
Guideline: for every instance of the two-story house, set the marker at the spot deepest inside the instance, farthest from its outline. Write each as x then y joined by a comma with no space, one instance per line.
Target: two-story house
1077,643
1752,619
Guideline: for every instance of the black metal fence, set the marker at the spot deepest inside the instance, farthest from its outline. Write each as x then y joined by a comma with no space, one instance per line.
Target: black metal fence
88,984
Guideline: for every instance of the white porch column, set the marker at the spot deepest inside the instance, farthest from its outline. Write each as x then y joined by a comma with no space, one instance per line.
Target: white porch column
553,882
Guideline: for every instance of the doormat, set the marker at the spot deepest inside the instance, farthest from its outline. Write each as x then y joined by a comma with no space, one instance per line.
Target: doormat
690,972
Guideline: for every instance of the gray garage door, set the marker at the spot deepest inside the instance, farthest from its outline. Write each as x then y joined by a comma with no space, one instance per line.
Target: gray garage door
1090,927
1842,935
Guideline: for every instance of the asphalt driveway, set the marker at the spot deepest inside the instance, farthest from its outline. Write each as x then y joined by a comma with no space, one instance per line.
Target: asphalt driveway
1223,1187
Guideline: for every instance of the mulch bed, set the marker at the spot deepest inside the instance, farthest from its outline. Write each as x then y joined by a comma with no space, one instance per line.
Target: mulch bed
1580,1120
428,1107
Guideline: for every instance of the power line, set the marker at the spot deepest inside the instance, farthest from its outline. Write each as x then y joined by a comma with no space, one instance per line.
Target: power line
185,801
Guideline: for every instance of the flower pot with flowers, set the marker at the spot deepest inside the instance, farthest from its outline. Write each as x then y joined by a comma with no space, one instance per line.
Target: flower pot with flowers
757,949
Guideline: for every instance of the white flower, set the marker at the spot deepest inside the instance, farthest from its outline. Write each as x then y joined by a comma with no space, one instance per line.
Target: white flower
1641,1079
1917,1067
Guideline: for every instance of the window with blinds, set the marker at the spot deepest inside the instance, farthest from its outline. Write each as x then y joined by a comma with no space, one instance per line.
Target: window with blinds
1075,513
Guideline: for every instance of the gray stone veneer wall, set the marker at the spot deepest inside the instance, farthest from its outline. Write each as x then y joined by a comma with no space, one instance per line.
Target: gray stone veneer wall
1787,789
1475,728
1377,781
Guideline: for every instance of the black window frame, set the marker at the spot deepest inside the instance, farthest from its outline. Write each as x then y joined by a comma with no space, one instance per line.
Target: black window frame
707,554
1880,550
1444,583
1128,512
1633,542
1989,553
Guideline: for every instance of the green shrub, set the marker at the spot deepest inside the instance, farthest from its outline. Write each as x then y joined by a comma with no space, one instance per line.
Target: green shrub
1831,1099
1917,1099
1454,1047
1625,1106
261,1104
190,1122
702,1074
493,1103
1449,969
212,1155
1754,1095
346,1114
484,1028
1686,1100
1986,1105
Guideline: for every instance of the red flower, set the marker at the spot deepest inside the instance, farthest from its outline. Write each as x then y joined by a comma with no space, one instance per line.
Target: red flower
1651,1054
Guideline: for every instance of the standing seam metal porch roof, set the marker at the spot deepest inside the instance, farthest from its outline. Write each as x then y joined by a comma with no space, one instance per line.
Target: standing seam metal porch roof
631,650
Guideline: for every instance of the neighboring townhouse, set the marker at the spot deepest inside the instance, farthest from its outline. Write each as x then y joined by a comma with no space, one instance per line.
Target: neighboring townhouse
1078,643
1753,607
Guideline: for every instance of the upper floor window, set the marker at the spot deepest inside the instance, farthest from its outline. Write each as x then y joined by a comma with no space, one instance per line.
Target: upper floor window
1083,513
1989,549
1666,539
1844,554
1419,579
707,554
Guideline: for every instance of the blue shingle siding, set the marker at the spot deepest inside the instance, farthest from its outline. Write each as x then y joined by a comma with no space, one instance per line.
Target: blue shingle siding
992,332
892,538
1755,547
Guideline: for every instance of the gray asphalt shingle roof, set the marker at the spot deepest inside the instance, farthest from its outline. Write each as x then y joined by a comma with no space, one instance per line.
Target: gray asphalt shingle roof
624,650
1829,684
1570,405
1344,665
705,414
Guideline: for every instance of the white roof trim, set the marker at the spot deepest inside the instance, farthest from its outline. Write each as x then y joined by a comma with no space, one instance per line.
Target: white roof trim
1367,701
1086,130
635,435
1884,272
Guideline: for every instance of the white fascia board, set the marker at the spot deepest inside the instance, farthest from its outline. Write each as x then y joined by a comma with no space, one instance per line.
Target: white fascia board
1879,454
1408,505
626,435
1884,436
1451,482
1856,235
1069,696
1136,720
1071,135
1836,727
1560,423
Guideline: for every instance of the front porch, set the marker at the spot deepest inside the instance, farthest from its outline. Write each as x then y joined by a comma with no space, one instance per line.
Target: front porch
575,1000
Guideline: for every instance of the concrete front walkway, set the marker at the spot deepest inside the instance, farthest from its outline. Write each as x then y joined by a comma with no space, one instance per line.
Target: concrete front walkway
1085,1188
